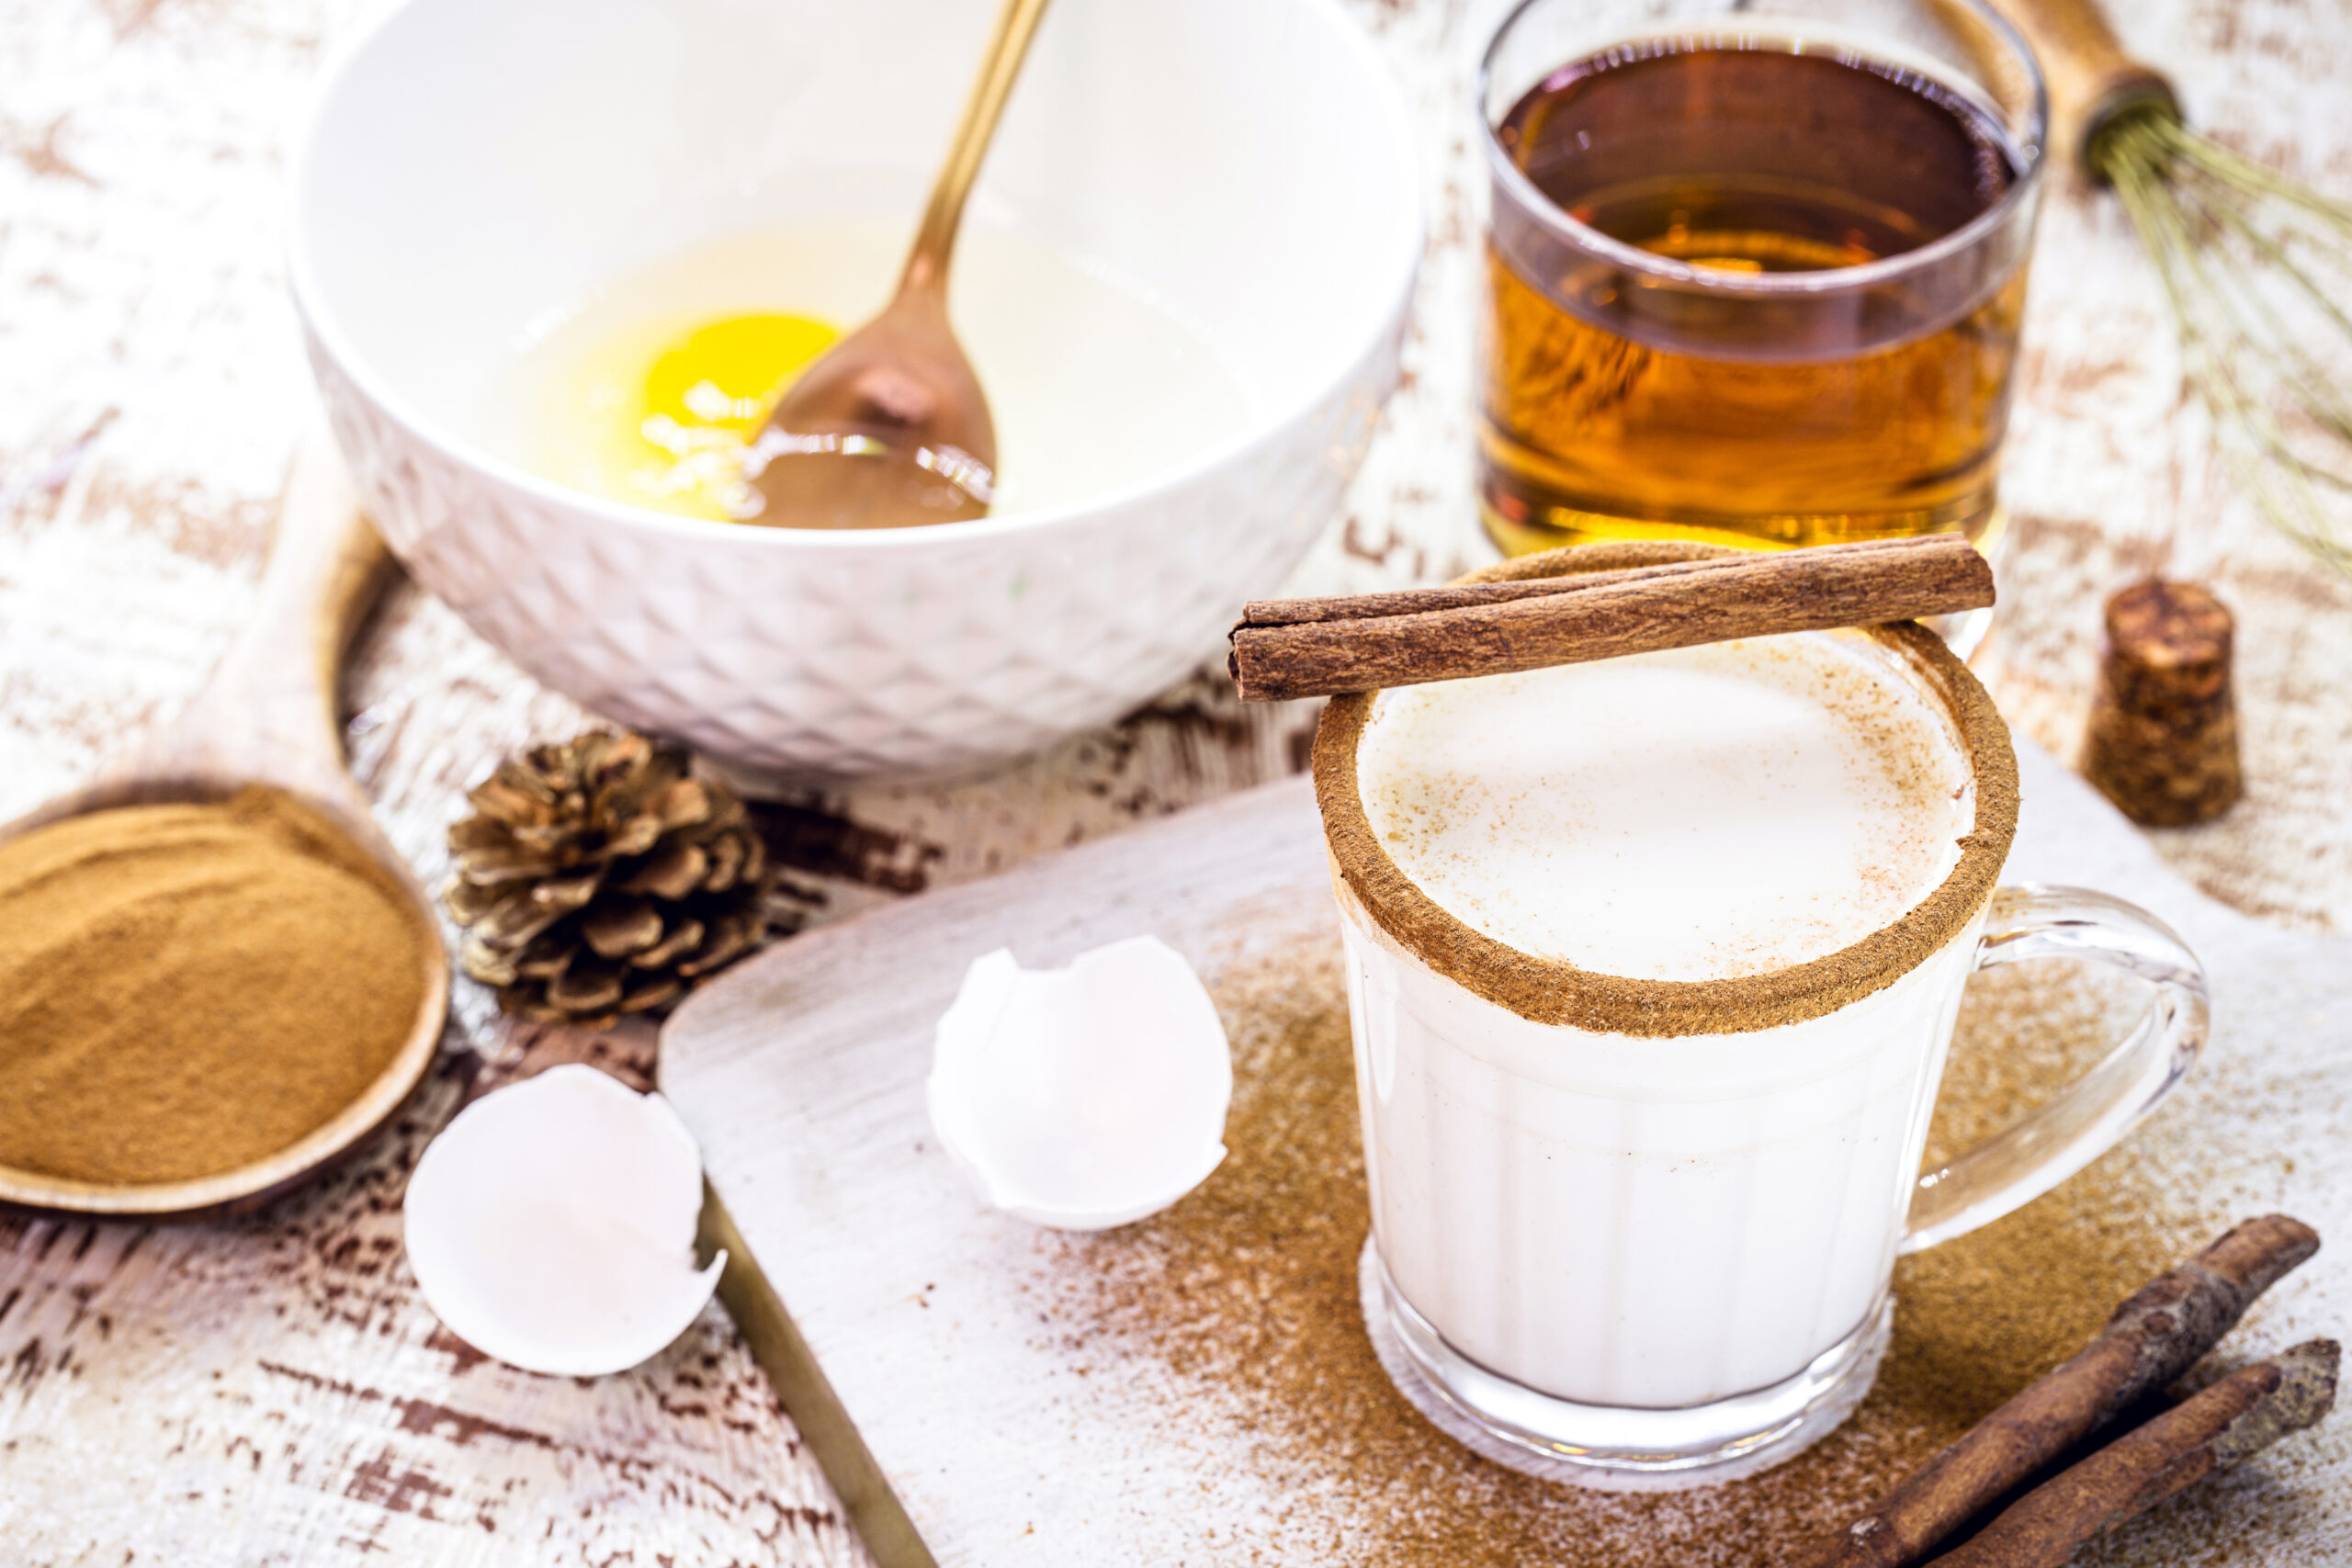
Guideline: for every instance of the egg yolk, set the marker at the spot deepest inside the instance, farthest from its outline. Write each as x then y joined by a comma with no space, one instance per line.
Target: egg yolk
673,412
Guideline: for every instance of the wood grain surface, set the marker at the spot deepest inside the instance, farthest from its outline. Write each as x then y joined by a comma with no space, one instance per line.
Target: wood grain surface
271,1390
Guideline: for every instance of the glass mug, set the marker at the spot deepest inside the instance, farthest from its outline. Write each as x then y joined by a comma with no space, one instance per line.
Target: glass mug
1754,272
1644,1233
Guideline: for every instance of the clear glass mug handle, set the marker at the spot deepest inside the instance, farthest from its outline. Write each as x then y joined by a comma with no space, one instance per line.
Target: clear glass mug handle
2028,1158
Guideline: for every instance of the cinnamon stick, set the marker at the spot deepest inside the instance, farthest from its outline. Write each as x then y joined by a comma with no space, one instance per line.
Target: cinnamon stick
2246,1412
1303,648
1452,595
2152,1339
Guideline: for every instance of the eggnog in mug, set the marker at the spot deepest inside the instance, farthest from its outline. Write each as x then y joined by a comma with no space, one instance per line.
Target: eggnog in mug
1653,962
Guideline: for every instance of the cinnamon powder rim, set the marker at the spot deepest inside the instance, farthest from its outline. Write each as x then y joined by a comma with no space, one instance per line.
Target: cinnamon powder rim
1553,991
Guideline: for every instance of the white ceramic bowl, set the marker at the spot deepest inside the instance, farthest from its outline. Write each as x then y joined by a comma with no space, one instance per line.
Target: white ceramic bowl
474,162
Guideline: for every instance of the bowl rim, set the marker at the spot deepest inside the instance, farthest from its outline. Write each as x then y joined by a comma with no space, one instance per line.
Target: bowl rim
1354,43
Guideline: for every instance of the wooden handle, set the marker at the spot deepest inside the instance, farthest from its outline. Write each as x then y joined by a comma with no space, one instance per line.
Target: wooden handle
2090,78
1016,24
269,712
1285,648
326,568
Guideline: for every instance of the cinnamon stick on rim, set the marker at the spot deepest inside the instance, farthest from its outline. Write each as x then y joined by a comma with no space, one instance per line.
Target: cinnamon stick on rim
2246,1412
2153,1339
1309,648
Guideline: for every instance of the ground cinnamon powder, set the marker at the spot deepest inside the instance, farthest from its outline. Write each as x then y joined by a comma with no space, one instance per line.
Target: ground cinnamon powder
1246,1294
187,989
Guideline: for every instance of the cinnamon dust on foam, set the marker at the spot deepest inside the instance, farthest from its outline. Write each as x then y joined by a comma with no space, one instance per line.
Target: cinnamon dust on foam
1904,760
1246,1294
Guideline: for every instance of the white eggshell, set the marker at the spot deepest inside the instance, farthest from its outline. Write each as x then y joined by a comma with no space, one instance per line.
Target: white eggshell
1083,1098
551,1224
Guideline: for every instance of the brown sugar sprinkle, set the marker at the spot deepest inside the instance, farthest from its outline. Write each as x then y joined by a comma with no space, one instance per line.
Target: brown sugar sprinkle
1246,1294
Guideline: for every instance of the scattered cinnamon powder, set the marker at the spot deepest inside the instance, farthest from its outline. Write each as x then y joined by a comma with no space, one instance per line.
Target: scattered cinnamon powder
1246,1292
185,989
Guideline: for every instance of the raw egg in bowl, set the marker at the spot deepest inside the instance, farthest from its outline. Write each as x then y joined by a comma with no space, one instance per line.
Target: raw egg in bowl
554,259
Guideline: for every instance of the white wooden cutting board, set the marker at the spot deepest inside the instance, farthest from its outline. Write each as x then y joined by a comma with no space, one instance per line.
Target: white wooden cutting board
929,1355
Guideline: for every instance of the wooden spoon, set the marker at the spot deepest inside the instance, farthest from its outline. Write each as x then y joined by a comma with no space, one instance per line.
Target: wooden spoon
890,428
267,716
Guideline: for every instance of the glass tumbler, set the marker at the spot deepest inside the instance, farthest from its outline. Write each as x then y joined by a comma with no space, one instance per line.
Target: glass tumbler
1754,272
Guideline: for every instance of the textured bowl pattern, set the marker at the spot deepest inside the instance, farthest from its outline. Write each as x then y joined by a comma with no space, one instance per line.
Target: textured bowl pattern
837,657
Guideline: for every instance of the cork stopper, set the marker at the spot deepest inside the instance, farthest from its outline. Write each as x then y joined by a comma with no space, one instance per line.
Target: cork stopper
2163,730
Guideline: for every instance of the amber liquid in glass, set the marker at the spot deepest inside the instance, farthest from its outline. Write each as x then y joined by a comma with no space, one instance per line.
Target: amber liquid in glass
1746,161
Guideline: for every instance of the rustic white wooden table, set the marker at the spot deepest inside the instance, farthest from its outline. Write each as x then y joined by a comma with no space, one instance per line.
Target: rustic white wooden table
273,1390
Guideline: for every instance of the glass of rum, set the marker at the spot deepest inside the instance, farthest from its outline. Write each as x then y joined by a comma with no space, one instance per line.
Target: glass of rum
1755,271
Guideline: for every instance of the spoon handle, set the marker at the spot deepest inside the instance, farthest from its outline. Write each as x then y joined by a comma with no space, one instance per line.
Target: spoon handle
326,567
935,240
269,712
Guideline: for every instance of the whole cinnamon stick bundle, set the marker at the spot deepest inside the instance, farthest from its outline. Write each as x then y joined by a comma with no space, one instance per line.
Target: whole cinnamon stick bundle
2153,1337
1306,648
2243,1414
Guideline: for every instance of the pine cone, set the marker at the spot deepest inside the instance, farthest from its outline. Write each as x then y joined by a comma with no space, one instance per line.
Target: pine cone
598,877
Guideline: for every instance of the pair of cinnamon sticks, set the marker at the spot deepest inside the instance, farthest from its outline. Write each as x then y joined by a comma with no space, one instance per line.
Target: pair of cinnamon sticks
2151,1340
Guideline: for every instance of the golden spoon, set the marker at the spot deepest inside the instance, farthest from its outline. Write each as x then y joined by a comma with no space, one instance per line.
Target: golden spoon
890,428
267,716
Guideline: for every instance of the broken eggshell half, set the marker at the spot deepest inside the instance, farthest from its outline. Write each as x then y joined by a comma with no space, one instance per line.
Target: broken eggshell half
551,1224
1082,1098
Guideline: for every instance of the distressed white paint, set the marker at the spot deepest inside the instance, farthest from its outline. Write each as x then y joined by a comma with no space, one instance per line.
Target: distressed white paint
273,1390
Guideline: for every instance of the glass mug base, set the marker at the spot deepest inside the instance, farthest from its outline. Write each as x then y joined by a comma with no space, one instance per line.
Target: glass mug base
1612,1448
